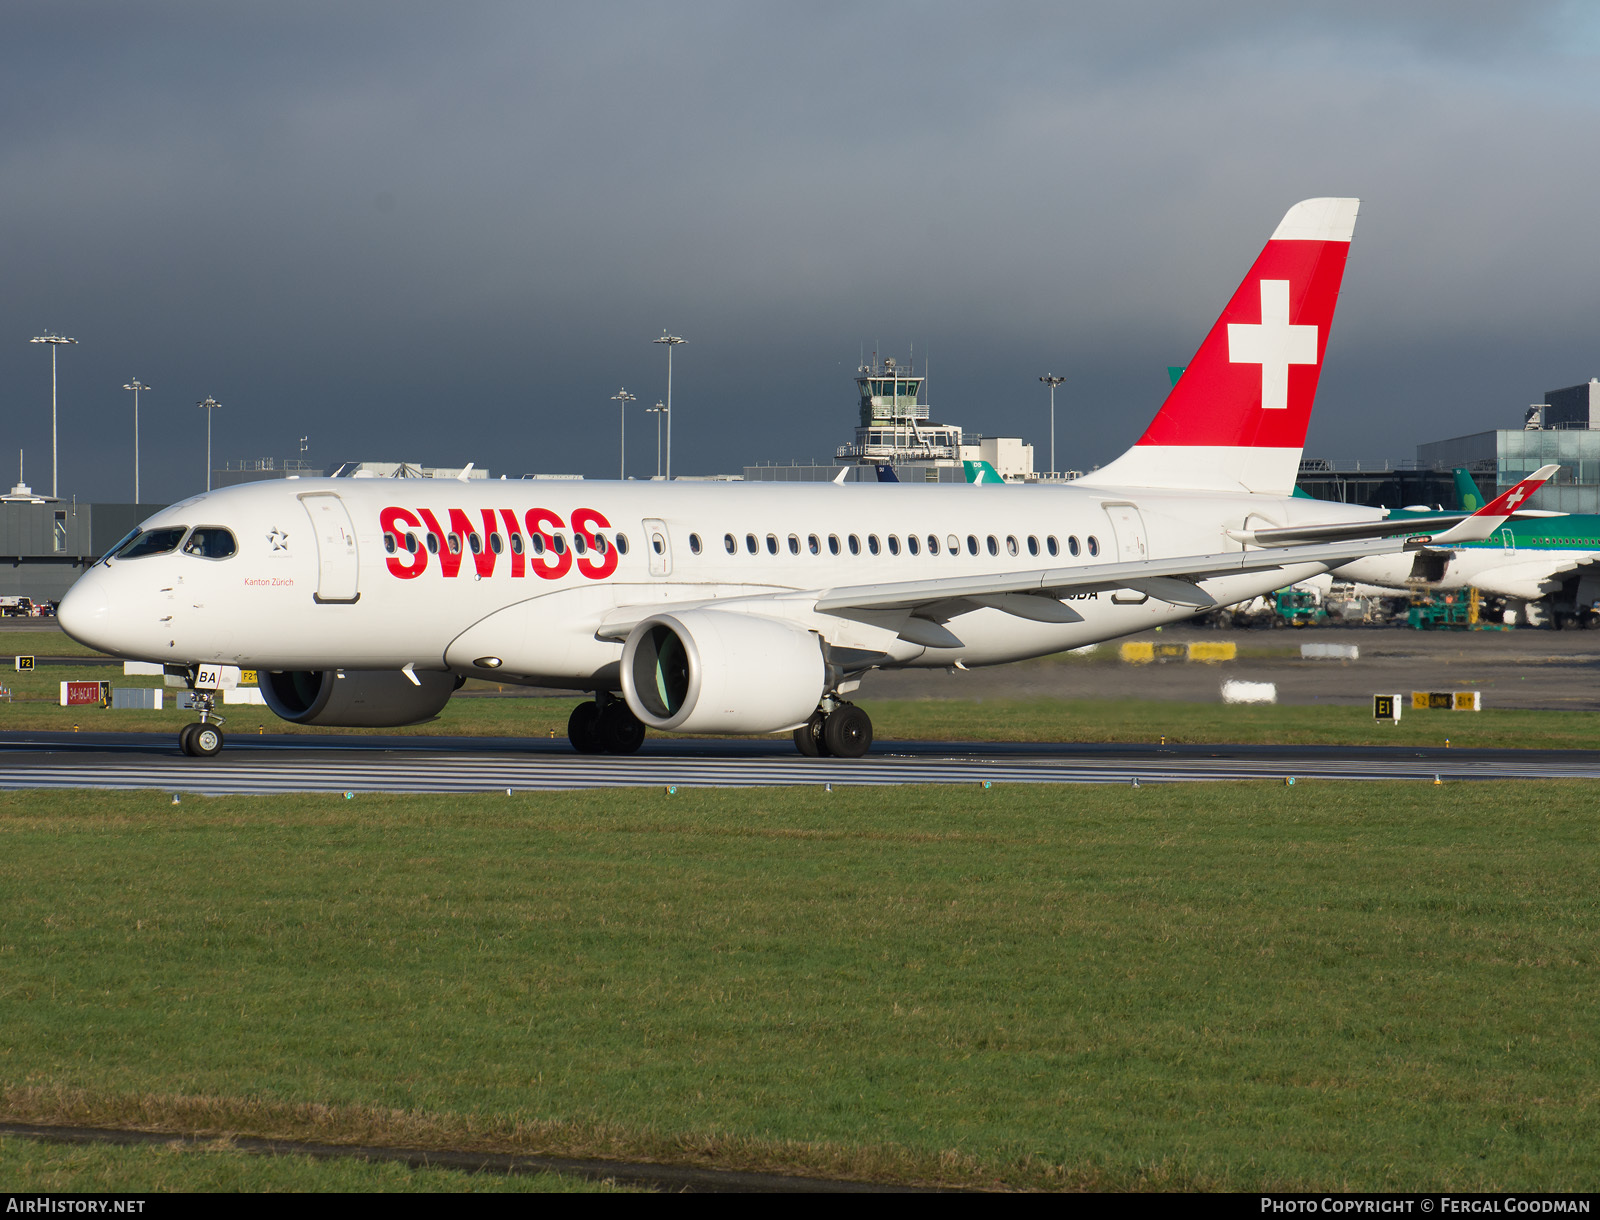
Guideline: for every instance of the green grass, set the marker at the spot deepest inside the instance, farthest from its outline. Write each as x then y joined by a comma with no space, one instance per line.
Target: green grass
1234,986
28,1166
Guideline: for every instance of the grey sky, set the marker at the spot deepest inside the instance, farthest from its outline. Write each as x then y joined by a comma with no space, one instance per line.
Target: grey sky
449,235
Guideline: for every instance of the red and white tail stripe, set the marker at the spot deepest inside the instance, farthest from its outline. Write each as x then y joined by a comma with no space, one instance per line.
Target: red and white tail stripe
1237,418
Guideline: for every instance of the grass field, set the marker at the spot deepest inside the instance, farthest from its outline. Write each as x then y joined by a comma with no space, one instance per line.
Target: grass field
28,1166
1209,986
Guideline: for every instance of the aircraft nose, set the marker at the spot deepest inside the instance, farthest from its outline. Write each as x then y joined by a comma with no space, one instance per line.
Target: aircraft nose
85,612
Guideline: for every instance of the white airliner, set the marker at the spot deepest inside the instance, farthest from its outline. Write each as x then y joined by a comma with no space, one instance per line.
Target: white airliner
750,608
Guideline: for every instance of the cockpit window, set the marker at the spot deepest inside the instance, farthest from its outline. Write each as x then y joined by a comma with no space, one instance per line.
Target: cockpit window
210,542
151,542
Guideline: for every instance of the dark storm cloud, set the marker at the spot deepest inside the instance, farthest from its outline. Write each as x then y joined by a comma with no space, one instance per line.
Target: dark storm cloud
448,235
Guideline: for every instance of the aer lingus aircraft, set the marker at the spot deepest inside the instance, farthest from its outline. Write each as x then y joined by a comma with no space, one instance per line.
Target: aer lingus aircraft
1550,559
750,608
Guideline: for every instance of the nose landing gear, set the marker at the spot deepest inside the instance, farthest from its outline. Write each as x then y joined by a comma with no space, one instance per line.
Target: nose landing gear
204,739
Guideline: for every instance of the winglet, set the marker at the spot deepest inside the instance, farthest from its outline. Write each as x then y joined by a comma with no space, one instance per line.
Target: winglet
840,477
1483,523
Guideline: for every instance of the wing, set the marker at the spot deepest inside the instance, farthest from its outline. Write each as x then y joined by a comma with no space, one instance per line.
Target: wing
1036,594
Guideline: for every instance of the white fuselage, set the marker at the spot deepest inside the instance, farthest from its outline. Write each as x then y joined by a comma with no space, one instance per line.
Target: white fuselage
314,584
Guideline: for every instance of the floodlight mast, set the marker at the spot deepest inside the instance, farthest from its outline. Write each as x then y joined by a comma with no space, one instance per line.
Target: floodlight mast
658,411
1052,381
622,398
208,405
136,385
671,341
54,341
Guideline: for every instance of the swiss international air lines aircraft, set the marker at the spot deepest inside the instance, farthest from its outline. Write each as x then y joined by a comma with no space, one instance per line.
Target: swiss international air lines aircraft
751,608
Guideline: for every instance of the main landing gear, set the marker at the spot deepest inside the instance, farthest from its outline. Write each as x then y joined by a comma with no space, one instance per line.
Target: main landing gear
604,726
204,739
845,731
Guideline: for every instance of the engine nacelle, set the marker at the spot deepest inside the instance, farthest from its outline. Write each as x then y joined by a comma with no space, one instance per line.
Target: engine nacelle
709,671
356,699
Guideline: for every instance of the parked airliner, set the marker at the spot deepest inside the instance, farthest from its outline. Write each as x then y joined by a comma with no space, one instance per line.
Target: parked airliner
751,608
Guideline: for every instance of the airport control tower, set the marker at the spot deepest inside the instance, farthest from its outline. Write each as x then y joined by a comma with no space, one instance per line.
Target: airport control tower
894,426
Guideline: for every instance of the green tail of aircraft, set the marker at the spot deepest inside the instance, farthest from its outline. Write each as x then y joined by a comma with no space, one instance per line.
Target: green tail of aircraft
981,472
1468,497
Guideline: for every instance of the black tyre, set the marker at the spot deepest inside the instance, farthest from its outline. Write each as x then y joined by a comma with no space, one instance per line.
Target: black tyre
808,737
205,740
847,732
186,738
583,729
621,732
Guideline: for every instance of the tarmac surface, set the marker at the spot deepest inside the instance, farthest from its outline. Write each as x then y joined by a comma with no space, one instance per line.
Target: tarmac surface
349,764
1552,670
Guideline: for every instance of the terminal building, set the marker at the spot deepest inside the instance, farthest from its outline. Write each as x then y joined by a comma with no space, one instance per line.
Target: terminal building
1564,428
46,544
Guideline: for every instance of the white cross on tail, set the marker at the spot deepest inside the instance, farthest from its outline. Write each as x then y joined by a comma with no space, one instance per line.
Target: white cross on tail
1273,344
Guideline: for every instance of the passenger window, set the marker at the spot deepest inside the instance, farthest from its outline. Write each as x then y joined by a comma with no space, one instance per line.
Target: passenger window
1072,545
933,544
411,543
455,544
388,544
1051,545
1094,545
1011,545
994,548
694,544
496,544
855,545
814,543
750,543
872,543
579,546
516,544
731,546
433,544
558,544
972,544
536,543
794,545
833,544
475,544
1033,545
600,544
622,544
911,543
658,544
894,545
772,544
953,545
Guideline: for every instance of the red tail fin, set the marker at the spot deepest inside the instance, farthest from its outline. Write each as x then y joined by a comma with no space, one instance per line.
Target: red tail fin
1238,415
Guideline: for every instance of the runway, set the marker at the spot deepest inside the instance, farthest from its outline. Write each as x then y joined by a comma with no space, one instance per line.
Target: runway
366,764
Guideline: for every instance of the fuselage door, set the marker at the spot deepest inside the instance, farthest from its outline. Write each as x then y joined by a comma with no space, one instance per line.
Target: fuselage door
1509,541
338,566
657,546
1128,527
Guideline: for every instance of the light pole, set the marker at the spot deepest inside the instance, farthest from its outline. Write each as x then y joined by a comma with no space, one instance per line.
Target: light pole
1052,381
54,341
622,398
671,341
208,406
658,411
136,385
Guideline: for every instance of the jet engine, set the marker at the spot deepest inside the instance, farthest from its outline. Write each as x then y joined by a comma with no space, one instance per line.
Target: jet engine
709,671
355,698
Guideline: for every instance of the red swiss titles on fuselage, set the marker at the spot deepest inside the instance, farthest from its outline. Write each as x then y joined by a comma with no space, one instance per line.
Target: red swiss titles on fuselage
546,551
